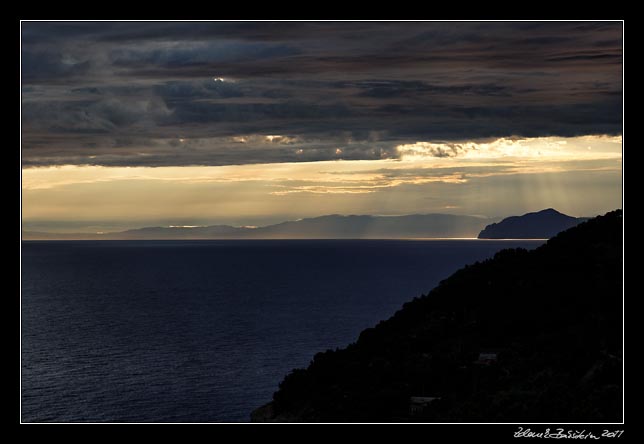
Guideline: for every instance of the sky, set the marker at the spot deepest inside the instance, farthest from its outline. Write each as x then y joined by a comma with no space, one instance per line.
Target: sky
131,124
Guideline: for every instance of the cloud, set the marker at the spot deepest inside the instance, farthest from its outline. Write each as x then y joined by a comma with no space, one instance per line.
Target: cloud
125,93
426,149
179,54
51,66
389,89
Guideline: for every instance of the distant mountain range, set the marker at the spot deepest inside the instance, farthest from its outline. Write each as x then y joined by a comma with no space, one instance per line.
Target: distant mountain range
543,224
323,227
540,225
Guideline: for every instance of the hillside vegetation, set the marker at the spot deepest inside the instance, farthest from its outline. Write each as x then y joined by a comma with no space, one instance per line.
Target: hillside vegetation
524,336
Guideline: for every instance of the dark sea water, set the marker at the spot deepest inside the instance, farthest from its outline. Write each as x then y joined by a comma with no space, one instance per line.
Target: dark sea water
204,331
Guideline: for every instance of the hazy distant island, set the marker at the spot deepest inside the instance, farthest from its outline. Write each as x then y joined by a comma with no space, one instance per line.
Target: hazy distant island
324,227
540,225
530,336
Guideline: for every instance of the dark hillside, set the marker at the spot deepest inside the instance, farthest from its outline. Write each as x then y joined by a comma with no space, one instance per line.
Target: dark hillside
543,224
525,336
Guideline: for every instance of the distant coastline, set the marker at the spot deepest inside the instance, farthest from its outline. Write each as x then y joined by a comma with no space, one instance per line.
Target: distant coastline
538,226
415,226
542,224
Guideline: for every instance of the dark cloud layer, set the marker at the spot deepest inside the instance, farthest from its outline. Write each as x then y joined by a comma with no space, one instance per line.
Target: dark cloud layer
215,93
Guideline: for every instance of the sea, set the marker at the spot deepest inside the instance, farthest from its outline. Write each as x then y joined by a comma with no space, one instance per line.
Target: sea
204,331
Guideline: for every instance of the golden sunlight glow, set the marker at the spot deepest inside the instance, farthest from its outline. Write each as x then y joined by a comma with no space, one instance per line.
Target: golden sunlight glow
426,175
184,226
261,139
417,165
275,138
540,147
